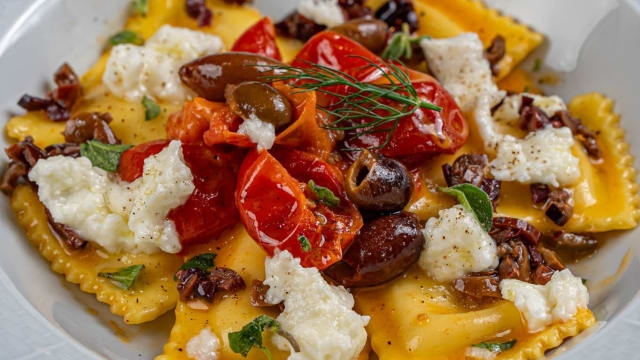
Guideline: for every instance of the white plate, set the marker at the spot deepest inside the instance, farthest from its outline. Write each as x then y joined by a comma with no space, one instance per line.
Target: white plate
44,317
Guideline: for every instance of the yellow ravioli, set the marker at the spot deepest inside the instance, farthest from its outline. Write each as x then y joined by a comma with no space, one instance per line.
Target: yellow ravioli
413,317
236,250
152,294
449,18
605,198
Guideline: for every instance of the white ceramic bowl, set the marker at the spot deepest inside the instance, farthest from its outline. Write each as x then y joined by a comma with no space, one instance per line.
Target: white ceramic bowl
596,43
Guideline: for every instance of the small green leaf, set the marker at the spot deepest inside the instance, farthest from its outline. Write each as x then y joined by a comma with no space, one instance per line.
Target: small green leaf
126,37
496,347
203,262
324,194
104,156
152,110
401,45
537,65
242,341
304,242
584,281
124,277
474,200
527,88
140,7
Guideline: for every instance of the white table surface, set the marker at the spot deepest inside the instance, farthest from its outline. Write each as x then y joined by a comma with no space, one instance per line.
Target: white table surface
25,334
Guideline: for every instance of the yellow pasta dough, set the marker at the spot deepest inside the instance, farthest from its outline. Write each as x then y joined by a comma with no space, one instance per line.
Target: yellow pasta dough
605,198
235,250
152,294
415,317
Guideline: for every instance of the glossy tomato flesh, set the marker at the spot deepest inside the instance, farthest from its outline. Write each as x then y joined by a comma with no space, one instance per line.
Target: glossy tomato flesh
277,208
210,209
259,39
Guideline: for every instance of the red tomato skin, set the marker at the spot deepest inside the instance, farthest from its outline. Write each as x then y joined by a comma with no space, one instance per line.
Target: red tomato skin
132,160
210,209
259,39
423,134
417,137
273,207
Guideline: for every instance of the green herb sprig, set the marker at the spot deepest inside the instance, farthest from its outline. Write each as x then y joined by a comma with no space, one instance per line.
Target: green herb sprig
140,7
124,277
151,108
496,347
126,37
203,262
304,242
241,342
104,156
475,200
362,101
401,44
324,195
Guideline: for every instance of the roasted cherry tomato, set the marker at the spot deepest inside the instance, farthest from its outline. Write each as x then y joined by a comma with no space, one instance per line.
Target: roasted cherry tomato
281,212
424,133
416,137
210,208
259,39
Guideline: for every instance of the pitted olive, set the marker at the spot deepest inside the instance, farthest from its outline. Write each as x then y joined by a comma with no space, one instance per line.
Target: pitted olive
370,32
209,75
383,249
253,98
377,183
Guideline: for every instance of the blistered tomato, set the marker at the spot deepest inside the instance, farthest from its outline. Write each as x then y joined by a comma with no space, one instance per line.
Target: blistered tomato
259,39
281,211
210,209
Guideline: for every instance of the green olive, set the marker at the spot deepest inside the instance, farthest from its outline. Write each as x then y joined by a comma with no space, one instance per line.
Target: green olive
253,98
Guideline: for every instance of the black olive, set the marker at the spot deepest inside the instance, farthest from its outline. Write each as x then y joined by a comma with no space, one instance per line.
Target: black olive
377,183
397,12
383,249
371,33
253,98
209,75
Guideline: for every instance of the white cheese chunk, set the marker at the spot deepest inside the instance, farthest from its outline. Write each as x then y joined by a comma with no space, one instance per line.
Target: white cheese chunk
260,132
134,71
318,315
455,245
117,215
460,66
475,352
543,156
204,346
509,112
323,12
557,301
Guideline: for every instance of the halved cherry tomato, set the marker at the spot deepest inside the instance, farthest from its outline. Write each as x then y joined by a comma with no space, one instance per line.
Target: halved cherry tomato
278,210
259,39
417,137
210,209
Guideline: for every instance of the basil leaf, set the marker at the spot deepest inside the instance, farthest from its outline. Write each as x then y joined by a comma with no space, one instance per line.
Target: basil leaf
584,281
140,7
496,347
304,242
537,65
474,200
324,195
151,109
203,262
126,37
242,341
124,277
104,156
